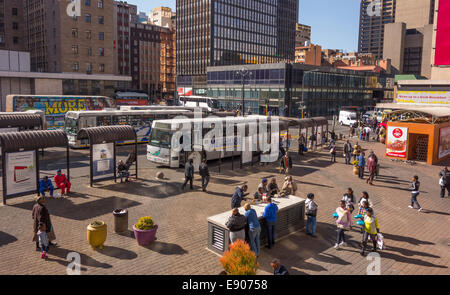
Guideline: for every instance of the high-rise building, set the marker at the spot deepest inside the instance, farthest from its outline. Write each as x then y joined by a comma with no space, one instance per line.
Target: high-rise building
12,27
302,35
440,58
232,32
163,17
59,42
374,15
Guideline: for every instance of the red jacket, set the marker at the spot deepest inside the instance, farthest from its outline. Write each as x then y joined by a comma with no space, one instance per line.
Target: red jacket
371,164
60,179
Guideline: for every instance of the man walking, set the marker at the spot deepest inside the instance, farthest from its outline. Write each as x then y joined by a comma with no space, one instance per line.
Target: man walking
204,173
286,164
189,174
347,152
311,213
444,181
270,215
372,167
361,165
415,192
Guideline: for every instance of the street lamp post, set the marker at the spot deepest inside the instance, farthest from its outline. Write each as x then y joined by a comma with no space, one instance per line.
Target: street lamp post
244,73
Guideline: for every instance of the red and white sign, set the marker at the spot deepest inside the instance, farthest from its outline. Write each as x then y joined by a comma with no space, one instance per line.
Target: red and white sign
184,91
397,142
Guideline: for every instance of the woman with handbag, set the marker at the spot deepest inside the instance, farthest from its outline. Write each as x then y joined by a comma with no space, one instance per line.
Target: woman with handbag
343,222
40,215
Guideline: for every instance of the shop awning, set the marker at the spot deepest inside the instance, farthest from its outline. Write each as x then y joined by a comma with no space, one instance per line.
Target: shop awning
32,140
436,111
20,120
105,134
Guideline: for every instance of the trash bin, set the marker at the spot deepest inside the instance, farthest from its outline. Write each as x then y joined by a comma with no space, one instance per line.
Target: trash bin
120,220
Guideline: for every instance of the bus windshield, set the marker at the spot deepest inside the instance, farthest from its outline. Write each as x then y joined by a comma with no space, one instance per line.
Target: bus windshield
160,138
71,126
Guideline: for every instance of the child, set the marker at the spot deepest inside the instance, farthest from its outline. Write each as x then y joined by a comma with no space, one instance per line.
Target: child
43,240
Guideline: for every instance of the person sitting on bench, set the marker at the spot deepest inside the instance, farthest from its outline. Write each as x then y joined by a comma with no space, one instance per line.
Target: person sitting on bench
123,171
62,182
45,185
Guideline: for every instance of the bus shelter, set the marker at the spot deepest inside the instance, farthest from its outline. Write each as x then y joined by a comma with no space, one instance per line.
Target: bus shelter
102,145
20,165
321,129
13,122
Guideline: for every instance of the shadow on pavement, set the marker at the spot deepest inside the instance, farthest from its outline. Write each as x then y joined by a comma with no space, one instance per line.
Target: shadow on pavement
6,238
410,240
435,212
147,188
85,259
118,253
166,248
410,260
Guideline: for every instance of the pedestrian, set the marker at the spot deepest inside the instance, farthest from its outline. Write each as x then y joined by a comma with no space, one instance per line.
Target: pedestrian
62,182
45,185
204,173
333,152
348,152
361,165
364,198
278,269
273,187
371,229
131,158
415,192
312,139
301,144
349,199
188,174
236,224
286,164
254,228
367,131
41,215
289,187
270,215
372,167
352,131
444,181
43,240
343,222
362,212
263,185
238,196
122,168
311,214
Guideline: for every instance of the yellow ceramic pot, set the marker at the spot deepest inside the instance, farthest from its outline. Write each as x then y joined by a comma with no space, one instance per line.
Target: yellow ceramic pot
96,234
356,170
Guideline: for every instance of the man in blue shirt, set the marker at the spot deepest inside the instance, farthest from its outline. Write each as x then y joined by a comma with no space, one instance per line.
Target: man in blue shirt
361,164
254,228
270,215
238,195
45,185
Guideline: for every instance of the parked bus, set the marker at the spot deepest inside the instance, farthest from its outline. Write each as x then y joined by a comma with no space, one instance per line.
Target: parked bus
55,107
140,120
159,149
131,98
197,101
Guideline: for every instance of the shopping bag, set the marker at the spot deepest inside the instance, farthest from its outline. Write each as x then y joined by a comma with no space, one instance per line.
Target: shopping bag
380,242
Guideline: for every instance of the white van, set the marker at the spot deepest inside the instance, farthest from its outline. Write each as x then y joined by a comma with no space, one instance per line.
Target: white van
347,118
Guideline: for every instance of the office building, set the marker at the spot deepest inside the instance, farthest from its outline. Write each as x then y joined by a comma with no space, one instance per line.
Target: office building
286,89
231,32
302,35
12,27
374,15
122,18
310,55
163,17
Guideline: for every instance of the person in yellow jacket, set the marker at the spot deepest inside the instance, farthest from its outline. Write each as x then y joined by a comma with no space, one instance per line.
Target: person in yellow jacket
371,229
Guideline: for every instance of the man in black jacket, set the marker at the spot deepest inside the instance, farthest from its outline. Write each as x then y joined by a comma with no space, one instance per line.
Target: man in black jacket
189,174
236,224
204,173
238,195
444,181
278,269
415,192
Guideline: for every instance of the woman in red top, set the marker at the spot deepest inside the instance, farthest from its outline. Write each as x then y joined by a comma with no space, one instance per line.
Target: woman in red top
62,182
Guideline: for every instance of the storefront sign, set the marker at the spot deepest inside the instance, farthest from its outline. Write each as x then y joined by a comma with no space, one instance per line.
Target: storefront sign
132,102
20,172
397,142
444,142
442,32
424,97
103,160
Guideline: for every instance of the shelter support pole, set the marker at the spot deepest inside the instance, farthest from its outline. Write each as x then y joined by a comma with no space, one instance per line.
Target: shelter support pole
136,155
114,162
4,175
68,162
91,163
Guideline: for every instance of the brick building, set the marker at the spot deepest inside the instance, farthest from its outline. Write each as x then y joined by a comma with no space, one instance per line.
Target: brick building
12,28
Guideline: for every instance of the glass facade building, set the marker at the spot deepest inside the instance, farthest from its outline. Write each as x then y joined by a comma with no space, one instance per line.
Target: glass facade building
285,89
232,32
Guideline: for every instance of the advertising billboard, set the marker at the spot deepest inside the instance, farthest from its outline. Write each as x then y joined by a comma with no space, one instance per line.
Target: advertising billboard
444,142
397,142
20,172
103,160
424,97
442,32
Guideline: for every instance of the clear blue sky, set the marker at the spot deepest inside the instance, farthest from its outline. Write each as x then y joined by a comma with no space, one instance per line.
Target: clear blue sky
335,23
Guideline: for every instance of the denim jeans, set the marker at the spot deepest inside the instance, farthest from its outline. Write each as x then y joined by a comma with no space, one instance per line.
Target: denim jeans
123,174
414,200
340,235
311,222
43,190
348,157
255,243
270,233
205,181
44,249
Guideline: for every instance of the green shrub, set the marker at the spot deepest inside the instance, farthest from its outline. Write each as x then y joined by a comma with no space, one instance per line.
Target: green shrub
145,223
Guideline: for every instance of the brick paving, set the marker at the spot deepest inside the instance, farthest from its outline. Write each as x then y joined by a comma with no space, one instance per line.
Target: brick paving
418,243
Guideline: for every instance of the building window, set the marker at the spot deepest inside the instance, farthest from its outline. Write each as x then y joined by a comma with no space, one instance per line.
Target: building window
87,2
75,66
101,36
101,68
88,35
75,33
16,40
90,51
15,11
75,49
87,17
100,20
101,51
15,26
89,68
100,3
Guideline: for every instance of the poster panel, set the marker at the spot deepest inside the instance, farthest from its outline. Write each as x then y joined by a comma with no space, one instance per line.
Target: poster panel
319,135
20,172
247,151
103,160
397,142
444,142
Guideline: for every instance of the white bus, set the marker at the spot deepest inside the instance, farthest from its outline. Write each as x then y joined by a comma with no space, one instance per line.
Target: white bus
159,149
197,101
140,120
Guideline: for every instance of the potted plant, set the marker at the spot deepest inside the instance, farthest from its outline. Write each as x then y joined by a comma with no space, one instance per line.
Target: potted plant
145,231
239,260
96,234
355,167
